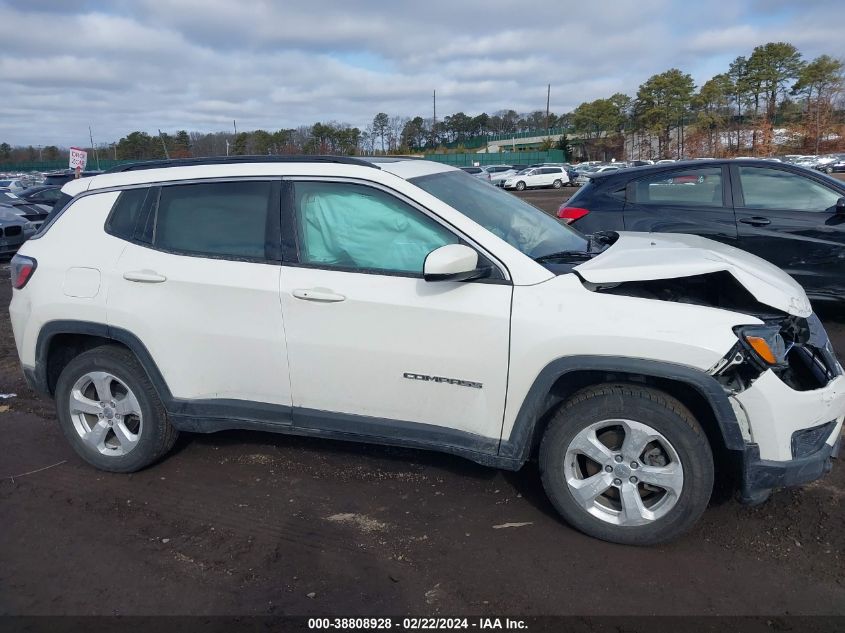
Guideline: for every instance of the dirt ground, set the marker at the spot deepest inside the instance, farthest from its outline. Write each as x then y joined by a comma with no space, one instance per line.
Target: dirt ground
256,523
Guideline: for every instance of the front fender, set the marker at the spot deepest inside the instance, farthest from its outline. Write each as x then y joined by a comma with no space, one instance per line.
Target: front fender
517,446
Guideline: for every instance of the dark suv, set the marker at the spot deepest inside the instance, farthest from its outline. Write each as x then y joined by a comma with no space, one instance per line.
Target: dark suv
793,217
59,178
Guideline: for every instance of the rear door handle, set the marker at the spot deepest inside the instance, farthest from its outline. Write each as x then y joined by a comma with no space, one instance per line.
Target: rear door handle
318,294
756,221
144,276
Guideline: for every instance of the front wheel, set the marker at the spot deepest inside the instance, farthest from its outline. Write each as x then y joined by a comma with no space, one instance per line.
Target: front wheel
627,464
520,186
110,412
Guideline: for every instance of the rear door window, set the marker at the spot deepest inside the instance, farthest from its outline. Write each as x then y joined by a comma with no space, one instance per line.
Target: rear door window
233,220
701,187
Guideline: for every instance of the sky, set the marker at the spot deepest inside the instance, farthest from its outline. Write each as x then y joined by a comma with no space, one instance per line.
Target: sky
129,65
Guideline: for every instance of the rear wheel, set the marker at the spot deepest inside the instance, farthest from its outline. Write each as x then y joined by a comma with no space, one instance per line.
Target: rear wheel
557,184
520,186
627,464
110,412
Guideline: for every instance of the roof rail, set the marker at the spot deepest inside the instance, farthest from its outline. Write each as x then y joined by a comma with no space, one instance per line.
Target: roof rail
224,160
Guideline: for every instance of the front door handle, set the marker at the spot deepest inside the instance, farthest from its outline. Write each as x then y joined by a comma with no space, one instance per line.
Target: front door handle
144,276
321,295
756,221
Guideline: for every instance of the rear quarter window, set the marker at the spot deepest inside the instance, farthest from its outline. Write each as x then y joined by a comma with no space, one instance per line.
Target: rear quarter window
124,216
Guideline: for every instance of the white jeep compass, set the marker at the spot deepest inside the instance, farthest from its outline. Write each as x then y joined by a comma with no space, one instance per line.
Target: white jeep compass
405,302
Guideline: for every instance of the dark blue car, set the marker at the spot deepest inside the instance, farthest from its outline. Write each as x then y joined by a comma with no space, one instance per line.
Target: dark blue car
791,216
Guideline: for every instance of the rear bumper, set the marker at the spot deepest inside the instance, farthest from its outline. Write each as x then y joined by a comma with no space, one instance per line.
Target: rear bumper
761,476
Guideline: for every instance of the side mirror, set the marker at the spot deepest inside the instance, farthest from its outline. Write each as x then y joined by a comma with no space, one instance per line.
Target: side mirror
453,262
840,206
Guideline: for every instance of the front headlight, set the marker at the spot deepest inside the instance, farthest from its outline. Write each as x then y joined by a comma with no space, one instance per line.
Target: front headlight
764,342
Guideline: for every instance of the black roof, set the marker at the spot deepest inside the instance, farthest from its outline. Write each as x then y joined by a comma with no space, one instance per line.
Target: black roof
225,160
626,172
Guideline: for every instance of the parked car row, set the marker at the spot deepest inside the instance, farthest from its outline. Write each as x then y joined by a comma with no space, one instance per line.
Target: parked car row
522,177
25,202
22,213
829,164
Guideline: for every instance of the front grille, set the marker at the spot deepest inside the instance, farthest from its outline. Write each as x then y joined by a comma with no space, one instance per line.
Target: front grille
11,231
808,441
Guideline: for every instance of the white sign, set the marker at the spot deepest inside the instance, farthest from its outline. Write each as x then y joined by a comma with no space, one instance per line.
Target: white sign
78,158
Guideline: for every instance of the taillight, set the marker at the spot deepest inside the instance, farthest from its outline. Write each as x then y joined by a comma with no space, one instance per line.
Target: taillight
571,214
21,269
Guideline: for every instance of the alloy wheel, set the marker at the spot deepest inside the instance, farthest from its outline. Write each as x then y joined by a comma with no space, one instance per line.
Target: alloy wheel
105,413
623,472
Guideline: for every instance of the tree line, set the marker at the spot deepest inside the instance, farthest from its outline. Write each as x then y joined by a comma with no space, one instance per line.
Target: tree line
770,98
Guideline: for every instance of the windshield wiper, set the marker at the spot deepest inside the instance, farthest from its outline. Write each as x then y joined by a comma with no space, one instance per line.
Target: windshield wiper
566,256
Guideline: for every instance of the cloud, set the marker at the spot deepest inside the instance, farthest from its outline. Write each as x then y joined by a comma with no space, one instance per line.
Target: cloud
199,64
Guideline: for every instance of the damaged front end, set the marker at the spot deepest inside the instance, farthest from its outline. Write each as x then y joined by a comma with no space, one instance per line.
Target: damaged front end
781,376
795,349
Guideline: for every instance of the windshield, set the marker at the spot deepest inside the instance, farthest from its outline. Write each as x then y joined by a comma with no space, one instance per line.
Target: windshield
521,225
5,183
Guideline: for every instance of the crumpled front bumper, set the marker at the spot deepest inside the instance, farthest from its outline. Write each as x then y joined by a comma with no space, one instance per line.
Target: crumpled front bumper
775,412
794,434
760,476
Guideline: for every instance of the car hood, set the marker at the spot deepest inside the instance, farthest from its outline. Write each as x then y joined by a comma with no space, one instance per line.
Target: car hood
647,256
9,215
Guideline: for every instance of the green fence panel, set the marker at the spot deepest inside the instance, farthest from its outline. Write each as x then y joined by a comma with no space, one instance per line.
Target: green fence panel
57,165
475,142
501,158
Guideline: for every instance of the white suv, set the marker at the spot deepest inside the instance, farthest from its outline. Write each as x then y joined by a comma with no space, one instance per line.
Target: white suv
404,302
555,177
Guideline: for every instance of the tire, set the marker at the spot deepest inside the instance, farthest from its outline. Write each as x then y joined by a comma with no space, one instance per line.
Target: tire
557,184
828,170
110,412
520,186
678,452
